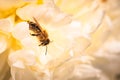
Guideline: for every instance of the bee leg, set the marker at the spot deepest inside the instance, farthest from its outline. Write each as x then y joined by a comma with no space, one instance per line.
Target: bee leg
41,44
46,51
34,34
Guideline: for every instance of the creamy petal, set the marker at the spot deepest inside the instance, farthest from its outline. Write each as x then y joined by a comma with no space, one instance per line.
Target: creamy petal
22,58
22,74
21,31
69,38
4,67
77,70
6,24
3,45
107,58
46,14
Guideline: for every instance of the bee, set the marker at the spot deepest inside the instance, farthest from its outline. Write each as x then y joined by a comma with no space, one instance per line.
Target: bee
39,32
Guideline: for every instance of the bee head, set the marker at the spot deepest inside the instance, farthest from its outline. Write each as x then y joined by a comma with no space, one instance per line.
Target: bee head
44,42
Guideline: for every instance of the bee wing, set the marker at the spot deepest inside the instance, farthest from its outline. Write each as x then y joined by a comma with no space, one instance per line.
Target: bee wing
43,32
38,24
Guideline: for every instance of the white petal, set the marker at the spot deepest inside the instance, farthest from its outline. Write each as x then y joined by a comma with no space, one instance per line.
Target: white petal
20,57
93,22
6,24
3,45
22,74
21,31
19,64
77,70
45,14
108,57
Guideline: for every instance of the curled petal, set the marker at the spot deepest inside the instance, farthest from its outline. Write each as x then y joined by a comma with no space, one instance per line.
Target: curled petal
20,30
3,45
93,23
77,70
45,14
107,58
6,24
22,58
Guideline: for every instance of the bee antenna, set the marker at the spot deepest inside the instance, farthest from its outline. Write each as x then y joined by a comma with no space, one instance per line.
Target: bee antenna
34,19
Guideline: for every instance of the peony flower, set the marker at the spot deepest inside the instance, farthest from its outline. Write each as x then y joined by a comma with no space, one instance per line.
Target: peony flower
83,38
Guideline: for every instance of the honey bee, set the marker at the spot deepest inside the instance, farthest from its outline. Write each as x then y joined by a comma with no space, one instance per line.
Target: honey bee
39,32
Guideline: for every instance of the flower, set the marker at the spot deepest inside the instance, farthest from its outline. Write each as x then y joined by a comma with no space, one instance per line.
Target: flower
81,35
